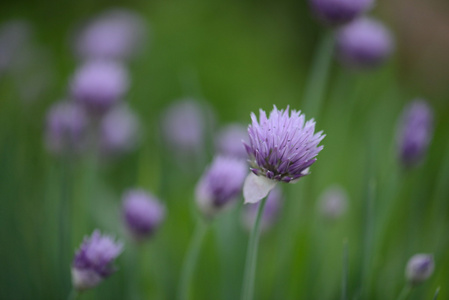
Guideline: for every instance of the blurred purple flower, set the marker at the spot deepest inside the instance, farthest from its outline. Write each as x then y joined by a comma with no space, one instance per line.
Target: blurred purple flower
220,184
142,213
93,261
419,268
364,43
415,132
270,213
229,141
98,85
333,202
119,130
183,126
66,128
338,12
115,34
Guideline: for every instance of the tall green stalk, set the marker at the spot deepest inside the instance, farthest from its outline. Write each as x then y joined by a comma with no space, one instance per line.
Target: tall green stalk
191,260
318,77
251,256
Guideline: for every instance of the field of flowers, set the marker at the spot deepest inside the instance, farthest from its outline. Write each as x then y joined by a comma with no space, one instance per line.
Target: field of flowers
224,150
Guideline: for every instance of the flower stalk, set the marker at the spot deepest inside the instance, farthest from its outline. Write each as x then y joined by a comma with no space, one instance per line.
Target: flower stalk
251,256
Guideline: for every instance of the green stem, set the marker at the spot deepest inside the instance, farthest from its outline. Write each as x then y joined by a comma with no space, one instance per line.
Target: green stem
405,292
344,281
73,295
191,260
64,221
436,293
316,84
251,256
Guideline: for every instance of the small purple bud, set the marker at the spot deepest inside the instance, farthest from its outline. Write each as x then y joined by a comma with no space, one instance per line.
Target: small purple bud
229,141
364,43
116,34
183,126
333,203
415,132
220,184
98,85
66,128
338,12
119,130
270,213
142,213
93,262
419,268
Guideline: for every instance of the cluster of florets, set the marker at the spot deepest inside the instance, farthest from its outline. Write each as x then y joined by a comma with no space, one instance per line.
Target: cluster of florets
94,259
283,146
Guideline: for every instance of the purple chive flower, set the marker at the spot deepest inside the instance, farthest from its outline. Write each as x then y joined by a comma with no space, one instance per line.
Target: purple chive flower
419,268
338,12
116,34
333,202
220,184
119,130
66,128
281,147
415,132
183,126
364,43
142,213
98,85
270,213
229,141
94,260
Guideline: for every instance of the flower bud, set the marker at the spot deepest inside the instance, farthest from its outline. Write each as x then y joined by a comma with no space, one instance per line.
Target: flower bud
98,85
338,12
142,213
364,43
220,184
119,130
66,128
419,268
415,132
333,202
94,260
229,141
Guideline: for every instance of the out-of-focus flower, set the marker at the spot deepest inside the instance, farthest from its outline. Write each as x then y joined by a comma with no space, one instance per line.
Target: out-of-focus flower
419,268
66,127
116,34
98,85
14,37
183,126
364,43
220,184
270,213
142,213
338,12
415,132
333,202
281,148
119,130
229,141
94,260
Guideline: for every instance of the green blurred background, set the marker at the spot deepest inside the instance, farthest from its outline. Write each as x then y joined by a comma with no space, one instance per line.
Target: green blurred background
238,56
